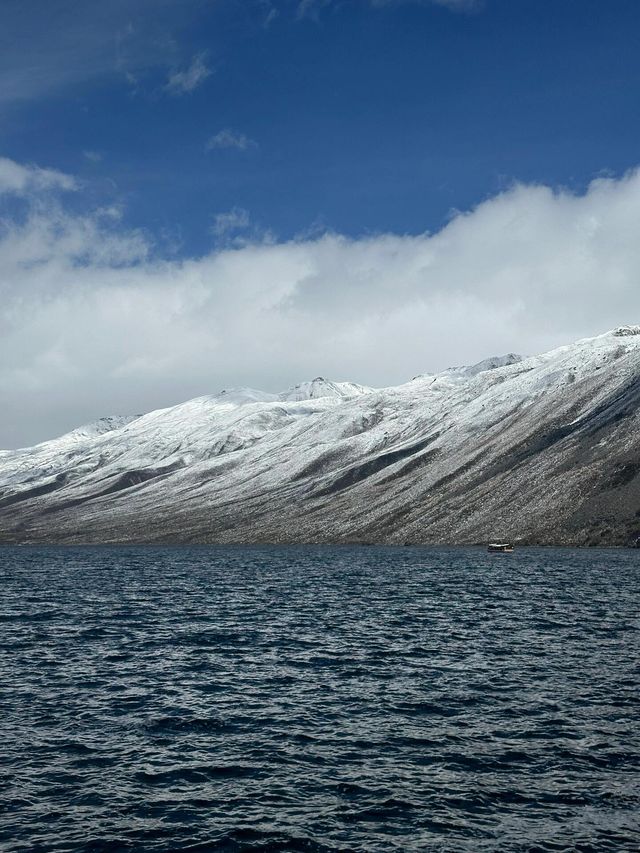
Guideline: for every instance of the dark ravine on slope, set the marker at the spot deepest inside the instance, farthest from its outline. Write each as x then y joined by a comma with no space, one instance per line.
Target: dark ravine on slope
540,450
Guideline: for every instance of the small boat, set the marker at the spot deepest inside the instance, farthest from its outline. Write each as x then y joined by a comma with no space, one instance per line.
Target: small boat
500,548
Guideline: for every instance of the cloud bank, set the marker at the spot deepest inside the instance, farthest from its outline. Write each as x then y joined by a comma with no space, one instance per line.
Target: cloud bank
92,322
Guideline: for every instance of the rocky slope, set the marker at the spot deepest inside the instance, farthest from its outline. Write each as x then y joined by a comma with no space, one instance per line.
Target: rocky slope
543,449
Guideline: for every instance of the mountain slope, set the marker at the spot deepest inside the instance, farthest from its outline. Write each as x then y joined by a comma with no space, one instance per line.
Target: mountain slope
542,449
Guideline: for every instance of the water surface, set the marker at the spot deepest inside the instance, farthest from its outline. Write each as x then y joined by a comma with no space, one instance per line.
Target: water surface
319,699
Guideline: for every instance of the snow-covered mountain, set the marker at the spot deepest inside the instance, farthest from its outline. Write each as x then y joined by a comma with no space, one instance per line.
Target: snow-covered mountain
541,449
320,387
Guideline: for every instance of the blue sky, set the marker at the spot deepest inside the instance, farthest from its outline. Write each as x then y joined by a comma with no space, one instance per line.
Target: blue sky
200,194
355,116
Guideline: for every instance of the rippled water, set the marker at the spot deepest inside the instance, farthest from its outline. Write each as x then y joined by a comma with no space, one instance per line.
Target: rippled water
318,699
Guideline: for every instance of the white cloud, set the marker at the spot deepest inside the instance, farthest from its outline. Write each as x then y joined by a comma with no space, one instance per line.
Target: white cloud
229,222
92,156
228,138
185,81
23,180
91,323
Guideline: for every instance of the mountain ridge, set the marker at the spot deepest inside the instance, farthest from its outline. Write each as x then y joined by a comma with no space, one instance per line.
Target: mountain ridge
539,449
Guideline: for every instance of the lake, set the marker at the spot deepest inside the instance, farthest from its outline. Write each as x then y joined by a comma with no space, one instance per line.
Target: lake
319,699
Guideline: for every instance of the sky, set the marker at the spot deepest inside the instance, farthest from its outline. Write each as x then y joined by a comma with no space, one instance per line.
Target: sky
200,194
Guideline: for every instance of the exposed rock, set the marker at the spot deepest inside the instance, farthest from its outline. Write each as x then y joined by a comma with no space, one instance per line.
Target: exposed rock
543,449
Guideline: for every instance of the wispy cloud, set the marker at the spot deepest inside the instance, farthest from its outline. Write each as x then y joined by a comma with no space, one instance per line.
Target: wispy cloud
312,8
460,5
53,46
228,138
92,156
454,5
185,81
269,12
17,179
230,222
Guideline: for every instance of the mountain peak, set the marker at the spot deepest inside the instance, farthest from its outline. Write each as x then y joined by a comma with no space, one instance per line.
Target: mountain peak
492,363
101,426
321,387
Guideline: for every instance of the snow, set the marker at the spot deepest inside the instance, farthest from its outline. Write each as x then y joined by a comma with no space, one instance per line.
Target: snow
321,387
492,363
101,426
626,331
240,396
229,447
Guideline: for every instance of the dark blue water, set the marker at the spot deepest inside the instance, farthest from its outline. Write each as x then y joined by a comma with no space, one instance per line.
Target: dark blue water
319,699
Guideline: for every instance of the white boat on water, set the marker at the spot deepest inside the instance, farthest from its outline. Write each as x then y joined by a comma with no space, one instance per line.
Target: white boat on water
500,548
